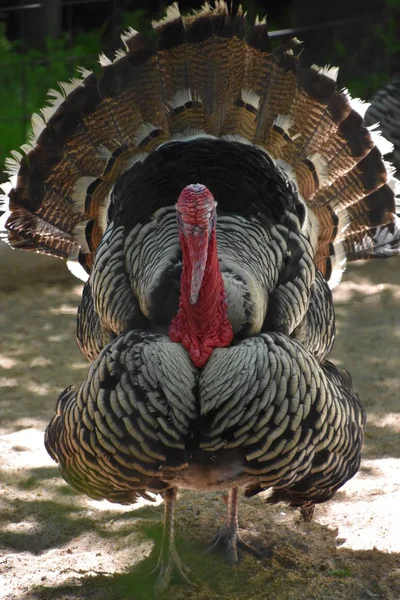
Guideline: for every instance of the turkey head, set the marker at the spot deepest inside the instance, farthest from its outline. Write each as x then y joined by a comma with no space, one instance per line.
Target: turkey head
201,323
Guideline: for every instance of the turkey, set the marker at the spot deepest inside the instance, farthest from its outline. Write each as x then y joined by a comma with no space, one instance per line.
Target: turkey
210,190
385,110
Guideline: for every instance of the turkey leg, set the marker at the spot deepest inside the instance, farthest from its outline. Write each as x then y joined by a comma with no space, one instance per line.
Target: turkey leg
169,561
227,540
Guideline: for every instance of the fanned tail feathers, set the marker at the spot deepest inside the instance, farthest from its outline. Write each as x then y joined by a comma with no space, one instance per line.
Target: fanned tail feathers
209,73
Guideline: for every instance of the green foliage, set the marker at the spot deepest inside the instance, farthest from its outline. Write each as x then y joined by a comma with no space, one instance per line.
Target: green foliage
368,61
138,20
27,76
344,572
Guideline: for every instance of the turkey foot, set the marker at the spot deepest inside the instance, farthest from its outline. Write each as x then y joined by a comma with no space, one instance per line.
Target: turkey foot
227,540
169,561
168,564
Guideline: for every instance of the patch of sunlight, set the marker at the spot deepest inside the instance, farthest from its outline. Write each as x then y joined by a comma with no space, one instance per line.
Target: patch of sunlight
67,565
336,361
391,420
40,361
33,455
79,365
64,309
347,290
6,362
358,508
104,505
40,389
77,290
55,338
25,527
8,382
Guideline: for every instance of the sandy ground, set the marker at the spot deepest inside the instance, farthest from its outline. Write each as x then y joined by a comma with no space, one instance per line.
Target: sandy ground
57,545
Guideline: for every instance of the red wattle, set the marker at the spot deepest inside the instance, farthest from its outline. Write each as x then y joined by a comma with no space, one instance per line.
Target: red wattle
203,326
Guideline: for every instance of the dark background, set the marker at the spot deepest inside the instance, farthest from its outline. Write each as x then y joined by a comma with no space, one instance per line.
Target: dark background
27,18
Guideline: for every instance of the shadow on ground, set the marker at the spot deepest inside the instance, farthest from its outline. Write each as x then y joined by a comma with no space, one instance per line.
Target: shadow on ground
297,561
55,545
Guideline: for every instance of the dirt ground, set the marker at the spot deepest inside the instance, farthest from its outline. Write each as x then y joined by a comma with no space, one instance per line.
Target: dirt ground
57,545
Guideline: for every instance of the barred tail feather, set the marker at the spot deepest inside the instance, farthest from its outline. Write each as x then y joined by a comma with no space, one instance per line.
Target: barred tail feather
210,73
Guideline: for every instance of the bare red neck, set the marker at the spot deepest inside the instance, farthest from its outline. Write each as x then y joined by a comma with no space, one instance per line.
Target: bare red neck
202,326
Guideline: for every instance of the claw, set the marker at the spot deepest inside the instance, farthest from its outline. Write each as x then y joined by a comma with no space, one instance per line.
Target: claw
227,540
169,562
168,566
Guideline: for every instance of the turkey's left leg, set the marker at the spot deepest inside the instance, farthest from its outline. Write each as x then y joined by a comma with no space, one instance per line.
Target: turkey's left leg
227,539
169,561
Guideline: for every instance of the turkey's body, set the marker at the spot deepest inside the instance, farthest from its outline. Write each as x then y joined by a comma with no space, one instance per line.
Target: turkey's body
266,262
261,413
213,191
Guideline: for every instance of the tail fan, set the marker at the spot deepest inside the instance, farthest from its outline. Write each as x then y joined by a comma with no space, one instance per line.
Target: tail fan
210,73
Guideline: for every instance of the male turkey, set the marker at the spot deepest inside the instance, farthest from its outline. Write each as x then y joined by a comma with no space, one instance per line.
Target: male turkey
212,189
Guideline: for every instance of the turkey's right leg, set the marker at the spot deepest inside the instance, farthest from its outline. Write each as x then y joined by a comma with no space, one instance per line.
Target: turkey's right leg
169,561
227,540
